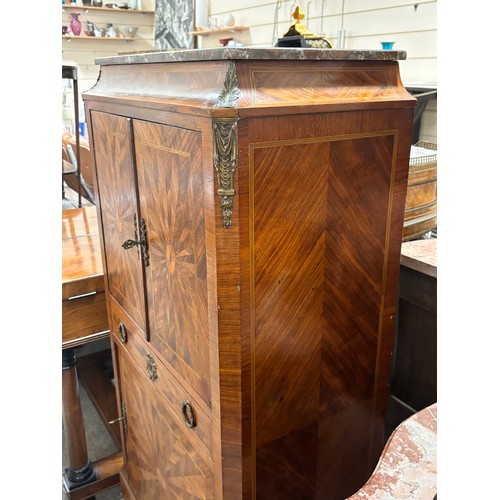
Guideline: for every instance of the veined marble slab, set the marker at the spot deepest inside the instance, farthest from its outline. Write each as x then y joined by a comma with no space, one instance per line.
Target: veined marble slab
408,465
251,53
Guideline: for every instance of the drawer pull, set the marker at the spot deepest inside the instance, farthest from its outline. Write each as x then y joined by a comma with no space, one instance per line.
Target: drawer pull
122,333
151,367
188,415
82,296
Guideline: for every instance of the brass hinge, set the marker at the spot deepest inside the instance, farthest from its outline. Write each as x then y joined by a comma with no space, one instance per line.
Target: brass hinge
123,418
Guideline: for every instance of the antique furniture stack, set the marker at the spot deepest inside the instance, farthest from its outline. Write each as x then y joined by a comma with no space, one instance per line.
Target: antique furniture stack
251,210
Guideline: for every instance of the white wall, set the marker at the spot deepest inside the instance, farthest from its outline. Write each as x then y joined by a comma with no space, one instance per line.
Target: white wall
367,23
82,53
411,25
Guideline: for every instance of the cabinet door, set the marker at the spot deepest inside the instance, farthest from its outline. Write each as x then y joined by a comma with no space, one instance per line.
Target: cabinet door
170,184
161,463
119,211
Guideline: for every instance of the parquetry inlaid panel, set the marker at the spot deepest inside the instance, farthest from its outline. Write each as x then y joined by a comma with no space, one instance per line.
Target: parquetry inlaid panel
186,83
170,181
161,462
301,84
118,203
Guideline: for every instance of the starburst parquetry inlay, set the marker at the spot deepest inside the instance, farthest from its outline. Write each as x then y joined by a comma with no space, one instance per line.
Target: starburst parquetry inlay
118,207
169,169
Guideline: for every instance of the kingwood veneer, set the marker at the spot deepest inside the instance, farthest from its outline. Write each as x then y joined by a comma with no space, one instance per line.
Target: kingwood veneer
251,210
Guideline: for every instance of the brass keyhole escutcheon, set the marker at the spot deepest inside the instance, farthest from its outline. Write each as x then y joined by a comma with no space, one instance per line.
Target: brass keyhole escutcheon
140,241
188,415
151,367
122,333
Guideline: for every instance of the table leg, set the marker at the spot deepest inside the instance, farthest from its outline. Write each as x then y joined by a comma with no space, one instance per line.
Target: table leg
80,471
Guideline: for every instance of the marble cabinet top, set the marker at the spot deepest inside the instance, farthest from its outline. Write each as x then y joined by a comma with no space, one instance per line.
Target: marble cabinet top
420,255
251,53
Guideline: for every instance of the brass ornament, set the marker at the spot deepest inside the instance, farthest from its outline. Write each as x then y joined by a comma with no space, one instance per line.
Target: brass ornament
299,36
225,144
230,93
298,28
188,415
122,333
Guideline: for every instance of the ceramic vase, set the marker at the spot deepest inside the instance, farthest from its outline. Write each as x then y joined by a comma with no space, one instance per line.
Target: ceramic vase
228,20
76,25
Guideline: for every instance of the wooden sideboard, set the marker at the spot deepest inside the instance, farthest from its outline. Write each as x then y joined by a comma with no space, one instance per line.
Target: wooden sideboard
84,322
414,371
251,210
84,315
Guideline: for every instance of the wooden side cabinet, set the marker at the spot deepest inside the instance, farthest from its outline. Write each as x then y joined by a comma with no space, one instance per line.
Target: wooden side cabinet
414,370
251,210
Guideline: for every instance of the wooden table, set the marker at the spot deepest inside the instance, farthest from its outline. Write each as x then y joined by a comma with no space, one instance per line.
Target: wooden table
84,320
84,304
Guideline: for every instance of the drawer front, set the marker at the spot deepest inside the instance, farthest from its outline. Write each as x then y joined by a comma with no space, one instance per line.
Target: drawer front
161,461
168,394
84,316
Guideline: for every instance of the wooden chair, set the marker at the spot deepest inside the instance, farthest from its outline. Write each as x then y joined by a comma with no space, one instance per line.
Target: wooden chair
85,163
70,170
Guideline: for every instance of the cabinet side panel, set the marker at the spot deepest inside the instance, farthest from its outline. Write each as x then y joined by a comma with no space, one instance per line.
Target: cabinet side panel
320,233
118,206
358,215
289,240
170,180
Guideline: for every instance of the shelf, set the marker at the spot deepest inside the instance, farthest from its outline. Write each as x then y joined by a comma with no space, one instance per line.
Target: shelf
218,30
105,9
100,38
